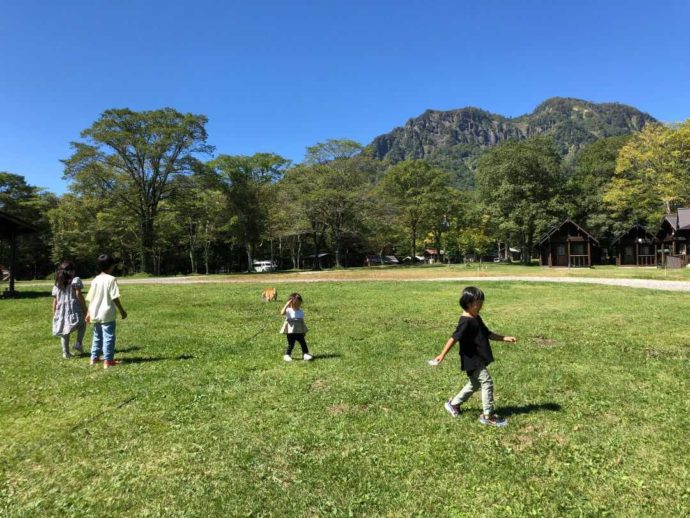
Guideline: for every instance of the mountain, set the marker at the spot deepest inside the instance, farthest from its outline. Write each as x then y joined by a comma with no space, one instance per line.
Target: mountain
454,139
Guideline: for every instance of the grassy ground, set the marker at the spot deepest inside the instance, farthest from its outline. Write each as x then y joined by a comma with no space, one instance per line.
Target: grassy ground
205,419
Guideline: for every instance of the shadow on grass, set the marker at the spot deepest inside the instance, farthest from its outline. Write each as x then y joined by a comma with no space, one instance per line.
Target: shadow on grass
327,356
143,359
129,349
149,359
527,409
26,295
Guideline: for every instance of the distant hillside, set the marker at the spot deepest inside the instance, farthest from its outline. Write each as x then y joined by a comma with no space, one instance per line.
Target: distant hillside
454,139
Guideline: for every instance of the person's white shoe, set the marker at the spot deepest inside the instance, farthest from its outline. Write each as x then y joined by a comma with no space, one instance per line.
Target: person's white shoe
287,358
308,357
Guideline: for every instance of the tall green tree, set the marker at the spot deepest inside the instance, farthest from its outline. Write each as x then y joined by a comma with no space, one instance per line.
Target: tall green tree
303,190
133,157
332,149
594,170
419,193
32,204
201,213
246,181
652,175
519,181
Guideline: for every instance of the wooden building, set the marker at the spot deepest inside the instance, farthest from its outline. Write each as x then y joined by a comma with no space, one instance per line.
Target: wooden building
568,244
673,237
10,228
636,247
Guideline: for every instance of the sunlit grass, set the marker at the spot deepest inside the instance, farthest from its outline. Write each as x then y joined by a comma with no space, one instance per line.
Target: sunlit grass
205,419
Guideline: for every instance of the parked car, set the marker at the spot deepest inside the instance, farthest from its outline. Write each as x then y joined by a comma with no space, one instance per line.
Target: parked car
264,266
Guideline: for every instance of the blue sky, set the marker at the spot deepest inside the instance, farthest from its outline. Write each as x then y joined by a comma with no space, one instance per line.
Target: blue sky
282,75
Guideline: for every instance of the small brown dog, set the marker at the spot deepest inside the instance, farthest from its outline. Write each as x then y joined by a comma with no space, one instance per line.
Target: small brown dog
269,294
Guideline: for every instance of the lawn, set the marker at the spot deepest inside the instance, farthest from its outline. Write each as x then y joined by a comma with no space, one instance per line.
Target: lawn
205,419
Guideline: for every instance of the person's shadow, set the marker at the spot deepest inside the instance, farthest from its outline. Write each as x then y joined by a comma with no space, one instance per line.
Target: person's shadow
527,409
326,356
148,359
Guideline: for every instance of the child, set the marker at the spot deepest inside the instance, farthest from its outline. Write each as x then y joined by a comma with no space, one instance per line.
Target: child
294,326
475,355
103,297
69,308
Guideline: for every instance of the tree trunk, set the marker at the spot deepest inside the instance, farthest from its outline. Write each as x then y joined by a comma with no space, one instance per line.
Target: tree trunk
250,258
280,253
147,240
414,244
299,250
336,238
317,250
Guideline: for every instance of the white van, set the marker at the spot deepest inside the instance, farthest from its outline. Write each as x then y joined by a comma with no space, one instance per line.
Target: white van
264,266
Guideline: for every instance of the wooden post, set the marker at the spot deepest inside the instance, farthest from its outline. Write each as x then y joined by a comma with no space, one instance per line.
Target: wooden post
13,257
637,252
550,261
568,241
589,253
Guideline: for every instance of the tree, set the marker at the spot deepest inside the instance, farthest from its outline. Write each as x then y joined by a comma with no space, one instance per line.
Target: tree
201,211
332,149
519,181
303,187
84,225
133,157
594,168
419,194
31,204
652,173
245,180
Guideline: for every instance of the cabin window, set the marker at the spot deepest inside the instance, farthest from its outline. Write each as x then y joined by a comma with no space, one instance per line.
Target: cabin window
577,249
645,250
560,249
628,252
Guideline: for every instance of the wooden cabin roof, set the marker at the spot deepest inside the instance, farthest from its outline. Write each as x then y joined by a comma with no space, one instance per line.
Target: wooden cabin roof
11,224
684,219
637,229
556,228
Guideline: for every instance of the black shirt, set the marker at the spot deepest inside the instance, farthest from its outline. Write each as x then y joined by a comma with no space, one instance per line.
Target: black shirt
473,336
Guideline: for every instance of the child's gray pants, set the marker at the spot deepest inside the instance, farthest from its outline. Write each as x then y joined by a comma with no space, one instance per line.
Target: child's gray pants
64,340
478,378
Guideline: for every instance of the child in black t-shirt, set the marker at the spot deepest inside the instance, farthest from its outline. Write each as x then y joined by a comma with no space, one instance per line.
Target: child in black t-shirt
475,355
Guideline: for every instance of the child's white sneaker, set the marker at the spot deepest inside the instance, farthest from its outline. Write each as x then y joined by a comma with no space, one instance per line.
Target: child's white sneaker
308,357
287,358
66,356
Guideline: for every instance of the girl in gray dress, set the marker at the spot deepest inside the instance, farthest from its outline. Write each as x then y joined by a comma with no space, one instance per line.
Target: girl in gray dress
69,308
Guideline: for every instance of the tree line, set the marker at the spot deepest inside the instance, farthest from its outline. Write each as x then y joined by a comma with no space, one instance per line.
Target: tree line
149,188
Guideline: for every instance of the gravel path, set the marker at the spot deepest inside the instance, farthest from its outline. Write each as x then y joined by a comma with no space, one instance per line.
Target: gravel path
325,277
628,283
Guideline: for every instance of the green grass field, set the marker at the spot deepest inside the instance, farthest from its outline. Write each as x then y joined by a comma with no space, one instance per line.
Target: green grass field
205,419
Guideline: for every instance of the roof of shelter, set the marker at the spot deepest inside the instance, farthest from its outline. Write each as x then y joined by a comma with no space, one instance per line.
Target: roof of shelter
648,236
684,219
10,223
556,228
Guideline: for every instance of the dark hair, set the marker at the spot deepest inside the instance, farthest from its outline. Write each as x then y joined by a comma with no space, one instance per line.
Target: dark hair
64,274
295,296
104,262
469,296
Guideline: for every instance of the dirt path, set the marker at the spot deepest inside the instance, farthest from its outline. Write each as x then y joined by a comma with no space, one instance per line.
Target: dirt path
326,277
628,283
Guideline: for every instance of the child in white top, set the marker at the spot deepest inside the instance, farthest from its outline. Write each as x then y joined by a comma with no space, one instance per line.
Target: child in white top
69,308
294,327
103,298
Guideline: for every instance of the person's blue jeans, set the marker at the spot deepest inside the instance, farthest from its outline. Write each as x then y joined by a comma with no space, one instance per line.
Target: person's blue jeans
103,341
